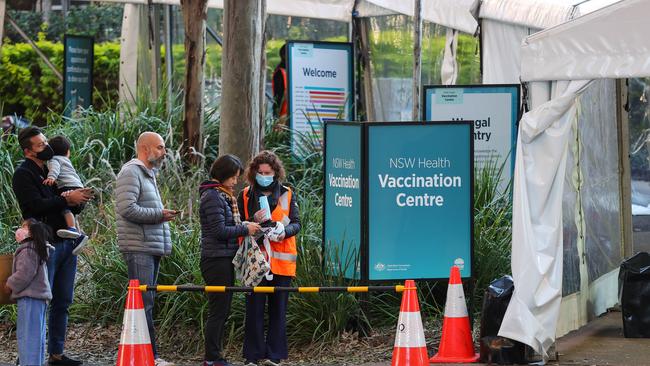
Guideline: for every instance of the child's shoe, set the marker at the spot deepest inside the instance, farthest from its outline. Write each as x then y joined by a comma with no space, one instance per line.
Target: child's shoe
69,233
79,244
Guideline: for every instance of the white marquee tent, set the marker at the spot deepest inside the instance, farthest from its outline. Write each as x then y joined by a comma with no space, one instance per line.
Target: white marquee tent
556,290
606,44
548,219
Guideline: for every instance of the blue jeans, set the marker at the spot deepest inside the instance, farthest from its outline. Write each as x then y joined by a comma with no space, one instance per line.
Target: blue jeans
31,331
274,345
144,268
61,269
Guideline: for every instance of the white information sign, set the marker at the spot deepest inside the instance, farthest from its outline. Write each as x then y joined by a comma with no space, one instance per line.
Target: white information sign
320,89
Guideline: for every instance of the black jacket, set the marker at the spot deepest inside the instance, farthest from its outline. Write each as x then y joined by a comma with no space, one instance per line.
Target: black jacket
37,200
254,205
219,234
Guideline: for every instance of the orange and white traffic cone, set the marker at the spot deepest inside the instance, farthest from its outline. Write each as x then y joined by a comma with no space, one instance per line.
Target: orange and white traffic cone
410,346
456,345
135,344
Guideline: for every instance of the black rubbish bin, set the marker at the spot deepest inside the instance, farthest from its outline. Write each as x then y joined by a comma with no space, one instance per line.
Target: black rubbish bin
495,349
634,294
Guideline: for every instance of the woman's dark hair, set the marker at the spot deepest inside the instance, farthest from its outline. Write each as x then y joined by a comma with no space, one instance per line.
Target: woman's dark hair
60,145
265,157
40,235
226,166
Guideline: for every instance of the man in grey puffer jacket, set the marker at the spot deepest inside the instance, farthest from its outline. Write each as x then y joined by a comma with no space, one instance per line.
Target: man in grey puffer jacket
142,229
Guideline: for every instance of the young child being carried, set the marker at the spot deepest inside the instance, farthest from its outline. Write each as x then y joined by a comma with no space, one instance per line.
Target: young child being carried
30,287
62,173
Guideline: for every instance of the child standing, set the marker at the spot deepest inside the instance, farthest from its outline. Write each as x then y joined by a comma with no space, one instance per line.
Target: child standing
28,284
61,172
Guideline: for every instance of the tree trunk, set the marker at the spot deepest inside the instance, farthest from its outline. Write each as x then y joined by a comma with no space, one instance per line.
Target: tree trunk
194,16
363,27
3,7
241,68
46,8
262,83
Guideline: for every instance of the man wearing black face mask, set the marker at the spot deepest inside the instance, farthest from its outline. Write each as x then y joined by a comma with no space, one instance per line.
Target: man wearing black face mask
41,202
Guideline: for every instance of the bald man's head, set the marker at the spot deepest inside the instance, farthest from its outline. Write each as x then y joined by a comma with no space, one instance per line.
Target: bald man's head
151,149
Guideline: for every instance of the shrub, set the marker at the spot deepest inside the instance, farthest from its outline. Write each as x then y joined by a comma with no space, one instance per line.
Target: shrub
30,88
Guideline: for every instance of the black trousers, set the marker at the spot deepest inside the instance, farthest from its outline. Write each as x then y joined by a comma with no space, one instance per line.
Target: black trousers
217,271
273,344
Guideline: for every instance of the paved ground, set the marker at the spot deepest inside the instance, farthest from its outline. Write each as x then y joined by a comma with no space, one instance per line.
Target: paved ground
600,343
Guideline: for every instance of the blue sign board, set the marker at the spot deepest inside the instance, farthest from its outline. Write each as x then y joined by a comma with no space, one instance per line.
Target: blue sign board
77,73
494,111
343,205
420,186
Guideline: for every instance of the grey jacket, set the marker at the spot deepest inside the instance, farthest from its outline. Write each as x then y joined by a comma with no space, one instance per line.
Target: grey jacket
61,170
29,275
139,209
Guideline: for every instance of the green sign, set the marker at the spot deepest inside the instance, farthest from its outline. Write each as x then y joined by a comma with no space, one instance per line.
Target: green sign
420,186
398,199
342,227
77,73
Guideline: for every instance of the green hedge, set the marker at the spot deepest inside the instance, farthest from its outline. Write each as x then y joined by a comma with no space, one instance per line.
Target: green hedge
31,89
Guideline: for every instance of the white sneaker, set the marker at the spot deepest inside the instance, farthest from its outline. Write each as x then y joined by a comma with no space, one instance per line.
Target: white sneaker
68,233
160,362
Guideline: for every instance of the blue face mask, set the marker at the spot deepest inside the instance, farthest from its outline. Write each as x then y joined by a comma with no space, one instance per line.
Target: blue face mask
263,180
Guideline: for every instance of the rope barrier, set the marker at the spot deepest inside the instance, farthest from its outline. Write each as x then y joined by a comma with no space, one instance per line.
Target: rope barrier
270,290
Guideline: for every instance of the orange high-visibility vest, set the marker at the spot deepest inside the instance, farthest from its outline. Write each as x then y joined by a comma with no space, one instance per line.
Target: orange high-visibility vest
283,254
284,106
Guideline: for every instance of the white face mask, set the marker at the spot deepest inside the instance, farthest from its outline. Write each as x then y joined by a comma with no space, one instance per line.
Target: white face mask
21,234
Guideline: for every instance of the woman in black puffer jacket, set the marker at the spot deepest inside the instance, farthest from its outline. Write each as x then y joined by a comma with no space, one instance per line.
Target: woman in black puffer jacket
221,228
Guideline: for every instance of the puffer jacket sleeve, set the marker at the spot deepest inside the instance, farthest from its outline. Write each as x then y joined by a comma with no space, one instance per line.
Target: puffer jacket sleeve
214,208
26,265
294,216
127,192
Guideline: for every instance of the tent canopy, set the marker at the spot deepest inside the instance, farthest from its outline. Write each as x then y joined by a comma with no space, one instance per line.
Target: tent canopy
455,14
579,49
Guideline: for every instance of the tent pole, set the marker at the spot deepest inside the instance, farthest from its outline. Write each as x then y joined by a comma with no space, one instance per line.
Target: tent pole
417,58
625,180
154,39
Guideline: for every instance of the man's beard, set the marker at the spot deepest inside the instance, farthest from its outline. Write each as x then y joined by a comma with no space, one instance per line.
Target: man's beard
156,163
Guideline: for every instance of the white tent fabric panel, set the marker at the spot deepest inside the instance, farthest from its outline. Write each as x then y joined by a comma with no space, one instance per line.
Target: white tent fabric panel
537,251
609,43
501,51
538,14
456,14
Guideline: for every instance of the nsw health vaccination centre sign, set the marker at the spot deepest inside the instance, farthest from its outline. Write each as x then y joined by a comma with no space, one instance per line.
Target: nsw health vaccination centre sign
320,89
494,111
409,188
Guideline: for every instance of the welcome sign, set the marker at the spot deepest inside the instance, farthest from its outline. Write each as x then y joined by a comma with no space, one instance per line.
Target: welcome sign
320,89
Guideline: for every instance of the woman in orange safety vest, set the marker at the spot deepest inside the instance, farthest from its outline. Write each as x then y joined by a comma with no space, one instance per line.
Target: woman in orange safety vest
265,175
